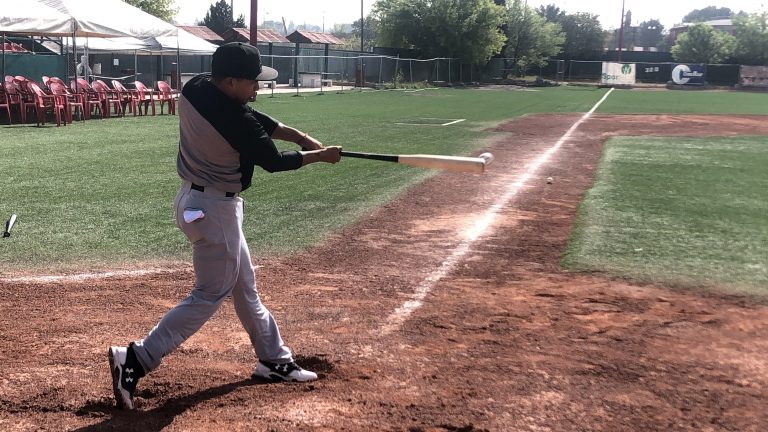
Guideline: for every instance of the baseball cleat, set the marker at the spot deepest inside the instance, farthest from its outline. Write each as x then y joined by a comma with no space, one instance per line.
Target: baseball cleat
126,372
282,372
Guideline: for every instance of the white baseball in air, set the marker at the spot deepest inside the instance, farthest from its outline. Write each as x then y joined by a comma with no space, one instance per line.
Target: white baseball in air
488,157
549,180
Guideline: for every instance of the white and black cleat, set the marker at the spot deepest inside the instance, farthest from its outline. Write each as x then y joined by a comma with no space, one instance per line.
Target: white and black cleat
282,372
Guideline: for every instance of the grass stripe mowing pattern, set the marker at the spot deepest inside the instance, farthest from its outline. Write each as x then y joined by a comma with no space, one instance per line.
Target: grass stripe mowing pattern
685,102
678,212
98,194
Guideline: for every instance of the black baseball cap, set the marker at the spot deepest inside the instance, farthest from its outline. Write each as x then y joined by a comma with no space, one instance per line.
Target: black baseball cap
240,60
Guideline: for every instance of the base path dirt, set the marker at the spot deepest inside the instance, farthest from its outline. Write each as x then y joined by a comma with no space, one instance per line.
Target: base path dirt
502,340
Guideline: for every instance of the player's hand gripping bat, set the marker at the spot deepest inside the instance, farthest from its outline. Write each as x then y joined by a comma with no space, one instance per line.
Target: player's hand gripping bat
450,163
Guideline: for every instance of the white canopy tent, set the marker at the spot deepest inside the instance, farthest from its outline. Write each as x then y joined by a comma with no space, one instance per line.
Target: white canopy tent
105,18
185,42
33,19
111,16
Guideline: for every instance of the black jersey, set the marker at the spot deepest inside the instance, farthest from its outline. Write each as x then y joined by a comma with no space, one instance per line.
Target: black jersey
221,140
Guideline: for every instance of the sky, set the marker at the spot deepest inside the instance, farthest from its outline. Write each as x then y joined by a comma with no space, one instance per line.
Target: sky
330,12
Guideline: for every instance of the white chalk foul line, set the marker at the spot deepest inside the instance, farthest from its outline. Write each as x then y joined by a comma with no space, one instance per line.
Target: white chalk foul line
84,277
474,231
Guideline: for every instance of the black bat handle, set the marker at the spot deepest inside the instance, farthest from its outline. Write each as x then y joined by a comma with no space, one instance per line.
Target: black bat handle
374,156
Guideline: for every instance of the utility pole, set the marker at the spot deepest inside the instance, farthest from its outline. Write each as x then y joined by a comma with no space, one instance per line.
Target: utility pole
254,22
621,32
362,26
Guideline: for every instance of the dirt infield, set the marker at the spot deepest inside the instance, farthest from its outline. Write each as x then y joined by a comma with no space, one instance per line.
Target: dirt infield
506,341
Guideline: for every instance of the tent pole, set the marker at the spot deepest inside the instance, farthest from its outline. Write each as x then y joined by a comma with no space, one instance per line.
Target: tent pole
178,64
74,57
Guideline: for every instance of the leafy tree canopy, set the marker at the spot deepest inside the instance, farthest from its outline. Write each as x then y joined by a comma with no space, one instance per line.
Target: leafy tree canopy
707,14
532,41
551,13
703,44
650,33
583,35
466,29
219,18
162,9
751,32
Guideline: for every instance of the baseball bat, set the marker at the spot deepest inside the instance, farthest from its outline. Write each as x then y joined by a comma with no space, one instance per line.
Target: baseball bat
449,163
9,226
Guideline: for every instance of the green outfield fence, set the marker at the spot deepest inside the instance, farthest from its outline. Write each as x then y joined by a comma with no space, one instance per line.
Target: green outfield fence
653,73
351,68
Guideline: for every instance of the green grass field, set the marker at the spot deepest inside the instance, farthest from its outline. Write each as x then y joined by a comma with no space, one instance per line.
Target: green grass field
679,212
97,194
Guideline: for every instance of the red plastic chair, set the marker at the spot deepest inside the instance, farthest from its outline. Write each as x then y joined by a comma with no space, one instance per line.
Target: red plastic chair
109,98
145,97
13,94
127,97
43,103
6,104
91,100
74,103
165,94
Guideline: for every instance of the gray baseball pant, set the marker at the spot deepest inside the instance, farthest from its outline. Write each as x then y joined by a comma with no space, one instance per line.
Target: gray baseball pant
222,266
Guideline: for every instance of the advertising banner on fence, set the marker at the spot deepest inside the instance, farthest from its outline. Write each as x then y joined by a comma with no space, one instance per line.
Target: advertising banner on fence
618,73
754,76
689,74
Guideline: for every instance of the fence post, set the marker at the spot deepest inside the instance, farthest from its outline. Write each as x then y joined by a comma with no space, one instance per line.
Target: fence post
397,66
381,67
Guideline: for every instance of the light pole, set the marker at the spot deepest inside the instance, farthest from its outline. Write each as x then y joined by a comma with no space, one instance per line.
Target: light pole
254,22
621,32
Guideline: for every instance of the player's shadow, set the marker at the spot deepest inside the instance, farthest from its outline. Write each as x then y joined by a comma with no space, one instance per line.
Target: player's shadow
158,418
155,419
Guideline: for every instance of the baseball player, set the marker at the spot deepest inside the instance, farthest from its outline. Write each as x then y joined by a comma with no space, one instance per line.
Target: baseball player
222,139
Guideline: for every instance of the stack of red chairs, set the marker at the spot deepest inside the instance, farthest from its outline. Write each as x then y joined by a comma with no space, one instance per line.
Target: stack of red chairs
42,103
14,96
74,103
14,47
144,96
90,99
165,94
5,103
128,98
109,98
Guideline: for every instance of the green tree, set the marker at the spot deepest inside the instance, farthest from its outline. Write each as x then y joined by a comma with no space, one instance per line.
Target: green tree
583,35
707,14
531,40
370,31
219,18
466,29
650,33
703,44
551,13
751,33
162,9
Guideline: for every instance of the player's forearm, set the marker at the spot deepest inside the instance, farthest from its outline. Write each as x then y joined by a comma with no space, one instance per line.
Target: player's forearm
327,154
302,139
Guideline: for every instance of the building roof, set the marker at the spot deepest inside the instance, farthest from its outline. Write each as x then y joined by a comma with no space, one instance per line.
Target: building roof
203,32
263,35
714,23
301,36
271,36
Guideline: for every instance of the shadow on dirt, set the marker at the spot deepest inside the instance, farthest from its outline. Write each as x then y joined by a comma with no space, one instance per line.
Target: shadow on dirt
158,418
155,419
